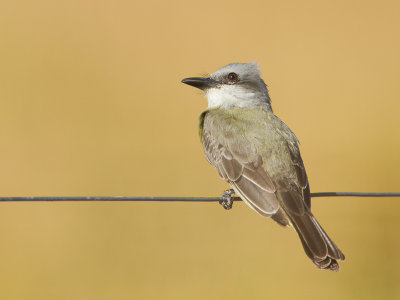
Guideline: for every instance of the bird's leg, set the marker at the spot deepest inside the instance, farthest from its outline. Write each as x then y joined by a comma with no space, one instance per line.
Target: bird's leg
227,199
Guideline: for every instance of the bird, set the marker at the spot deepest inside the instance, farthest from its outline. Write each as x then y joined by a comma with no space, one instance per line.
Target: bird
259,156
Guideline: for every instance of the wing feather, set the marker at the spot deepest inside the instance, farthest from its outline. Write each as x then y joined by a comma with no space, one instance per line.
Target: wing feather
257,198
292,200
232,167
260,178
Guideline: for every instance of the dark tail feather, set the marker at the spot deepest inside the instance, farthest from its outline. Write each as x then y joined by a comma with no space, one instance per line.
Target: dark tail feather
316,243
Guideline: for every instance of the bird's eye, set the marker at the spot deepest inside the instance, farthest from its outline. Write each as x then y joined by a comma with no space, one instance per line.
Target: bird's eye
233,77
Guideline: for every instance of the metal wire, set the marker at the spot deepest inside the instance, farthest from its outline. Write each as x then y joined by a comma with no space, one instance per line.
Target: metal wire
178,199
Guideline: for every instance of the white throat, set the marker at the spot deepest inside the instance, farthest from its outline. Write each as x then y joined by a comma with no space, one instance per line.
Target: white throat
226,96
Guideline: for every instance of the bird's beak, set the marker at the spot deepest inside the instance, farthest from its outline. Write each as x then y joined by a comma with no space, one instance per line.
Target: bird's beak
200,82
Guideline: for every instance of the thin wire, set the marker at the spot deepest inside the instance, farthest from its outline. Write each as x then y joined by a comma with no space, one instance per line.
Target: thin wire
354,194
179,199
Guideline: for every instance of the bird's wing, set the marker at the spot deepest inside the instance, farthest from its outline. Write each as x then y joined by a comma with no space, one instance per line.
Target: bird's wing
295,185
285,197
301,176
239,163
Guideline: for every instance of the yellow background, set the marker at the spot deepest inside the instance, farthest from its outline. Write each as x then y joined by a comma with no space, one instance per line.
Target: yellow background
91,104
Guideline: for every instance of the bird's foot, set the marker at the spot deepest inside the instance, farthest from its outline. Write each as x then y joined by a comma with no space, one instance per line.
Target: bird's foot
227,199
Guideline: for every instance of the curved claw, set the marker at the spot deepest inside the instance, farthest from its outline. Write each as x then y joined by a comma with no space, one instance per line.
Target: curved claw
227,199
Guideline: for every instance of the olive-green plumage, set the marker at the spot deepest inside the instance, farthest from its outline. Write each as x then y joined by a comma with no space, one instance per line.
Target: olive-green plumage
258,155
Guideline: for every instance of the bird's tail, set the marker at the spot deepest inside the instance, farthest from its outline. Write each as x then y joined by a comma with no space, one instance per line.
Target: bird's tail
316,243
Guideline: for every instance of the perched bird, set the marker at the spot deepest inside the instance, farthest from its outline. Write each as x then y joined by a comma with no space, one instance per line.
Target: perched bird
258,155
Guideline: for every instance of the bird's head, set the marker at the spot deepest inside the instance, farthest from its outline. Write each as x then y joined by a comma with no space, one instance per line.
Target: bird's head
234,85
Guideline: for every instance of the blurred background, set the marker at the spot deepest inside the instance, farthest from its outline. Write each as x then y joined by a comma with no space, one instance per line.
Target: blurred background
92,104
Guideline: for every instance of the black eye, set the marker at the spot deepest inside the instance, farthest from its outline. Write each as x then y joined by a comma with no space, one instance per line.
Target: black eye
233,77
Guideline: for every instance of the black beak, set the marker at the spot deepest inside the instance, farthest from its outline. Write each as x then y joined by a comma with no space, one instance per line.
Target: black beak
200,82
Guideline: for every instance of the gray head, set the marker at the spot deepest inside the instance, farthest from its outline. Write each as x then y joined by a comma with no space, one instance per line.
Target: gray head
235,85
